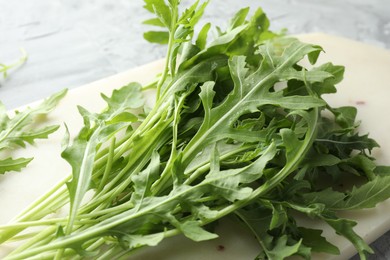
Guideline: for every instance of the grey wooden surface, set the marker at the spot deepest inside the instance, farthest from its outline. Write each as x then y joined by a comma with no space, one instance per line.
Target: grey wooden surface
72,42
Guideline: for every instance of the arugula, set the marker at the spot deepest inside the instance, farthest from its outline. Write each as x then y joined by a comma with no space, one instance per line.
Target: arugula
238,128
19,130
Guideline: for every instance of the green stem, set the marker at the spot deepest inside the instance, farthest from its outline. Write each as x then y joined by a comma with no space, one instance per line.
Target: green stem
108,167
5,68
33,241
135,164
44,222
52,202
48,196
152,85
171,40
165,175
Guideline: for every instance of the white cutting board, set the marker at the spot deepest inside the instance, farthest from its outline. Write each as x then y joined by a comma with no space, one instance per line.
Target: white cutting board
366,85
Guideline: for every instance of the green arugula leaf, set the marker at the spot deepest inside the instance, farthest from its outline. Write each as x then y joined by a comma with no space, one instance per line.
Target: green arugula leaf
160,9
201,42
19,130
193,231
136,241
364,196
13,129
154,22
345,116
344,227
328,86
259,219
282,250
16,165
30,136
238,19
157,37
313,239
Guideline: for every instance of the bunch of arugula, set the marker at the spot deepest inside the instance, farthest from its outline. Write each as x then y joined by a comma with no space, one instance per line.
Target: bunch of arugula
238,128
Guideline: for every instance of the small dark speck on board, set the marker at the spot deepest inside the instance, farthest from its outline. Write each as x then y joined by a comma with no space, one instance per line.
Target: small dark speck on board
220,248
360,102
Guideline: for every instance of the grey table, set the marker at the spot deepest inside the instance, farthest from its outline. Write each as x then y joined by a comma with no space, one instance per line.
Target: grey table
72,42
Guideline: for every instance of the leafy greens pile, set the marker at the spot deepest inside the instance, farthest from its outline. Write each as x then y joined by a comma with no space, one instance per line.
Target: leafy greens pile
238,128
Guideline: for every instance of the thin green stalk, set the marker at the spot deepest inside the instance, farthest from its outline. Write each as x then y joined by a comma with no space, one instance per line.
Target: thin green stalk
101,156
108,167
45,234
47,198
5,68
139,160
107,212
97,244
40,211
22,237
169,52
43,222
165,175
59,254
108,253
152,85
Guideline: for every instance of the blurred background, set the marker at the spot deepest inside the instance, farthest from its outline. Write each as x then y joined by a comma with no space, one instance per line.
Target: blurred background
71,42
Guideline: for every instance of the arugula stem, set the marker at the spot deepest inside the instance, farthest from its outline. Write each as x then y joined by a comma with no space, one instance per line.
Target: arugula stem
108,167
97,244
44,198
59,254
170,47
106,212
5,68
44,234
152,85
137,162
109,253
165,175
41,209
101,156
43,222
